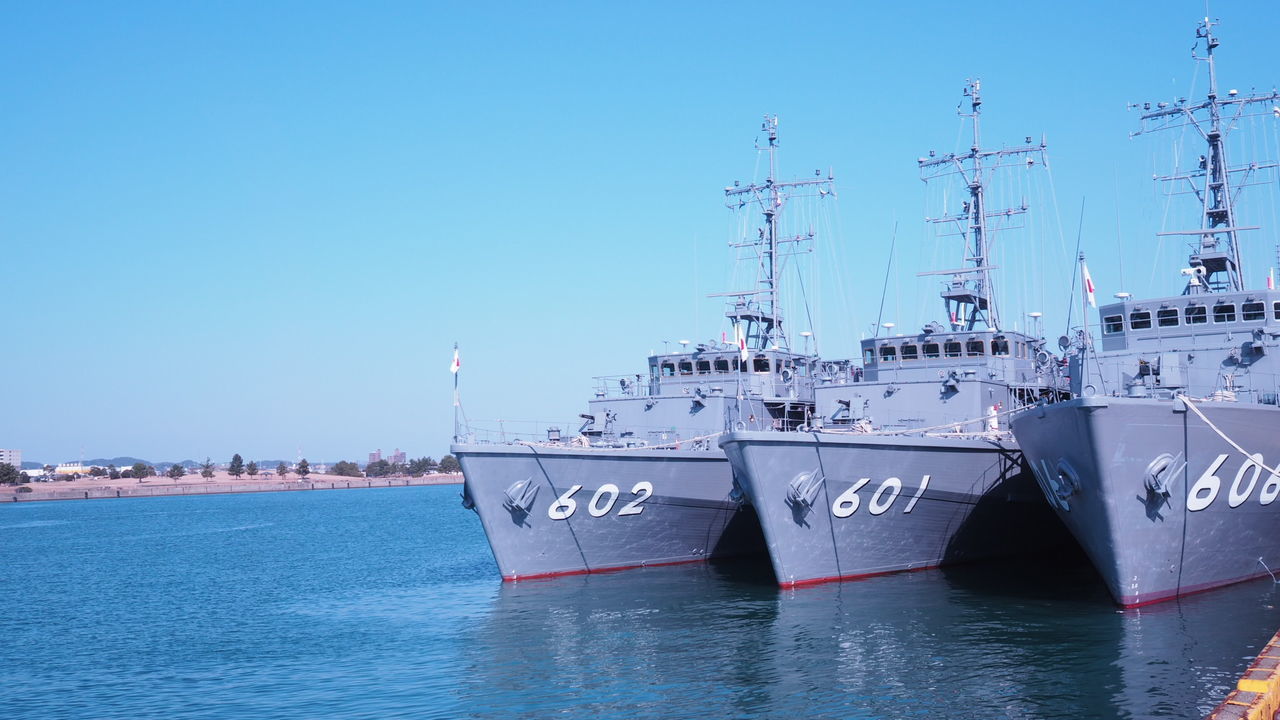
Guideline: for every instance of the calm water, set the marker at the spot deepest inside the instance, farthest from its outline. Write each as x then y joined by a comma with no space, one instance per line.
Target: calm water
382,603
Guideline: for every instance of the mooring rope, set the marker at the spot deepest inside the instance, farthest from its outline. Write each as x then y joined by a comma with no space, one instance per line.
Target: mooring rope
1187,401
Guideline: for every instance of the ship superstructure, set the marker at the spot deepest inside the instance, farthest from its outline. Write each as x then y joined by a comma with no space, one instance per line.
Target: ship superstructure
908,465
643,482
1163,468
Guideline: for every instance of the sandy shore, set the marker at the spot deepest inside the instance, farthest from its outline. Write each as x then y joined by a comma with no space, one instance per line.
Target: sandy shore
88,488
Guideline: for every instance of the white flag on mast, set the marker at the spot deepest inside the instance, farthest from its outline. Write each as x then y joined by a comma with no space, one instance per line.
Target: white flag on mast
456,365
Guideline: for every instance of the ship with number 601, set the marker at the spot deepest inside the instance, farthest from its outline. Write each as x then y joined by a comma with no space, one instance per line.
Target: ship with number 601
643,482
910,466
1164,467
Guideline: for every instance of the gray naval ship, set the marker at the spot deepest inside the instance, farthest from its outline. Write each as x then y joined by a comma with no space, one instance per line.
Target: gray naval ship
908,466
643,482
1163,467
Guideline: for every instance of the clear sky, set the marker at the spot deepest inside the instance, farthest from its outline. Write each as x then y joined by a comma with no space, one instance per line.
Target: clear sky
260,227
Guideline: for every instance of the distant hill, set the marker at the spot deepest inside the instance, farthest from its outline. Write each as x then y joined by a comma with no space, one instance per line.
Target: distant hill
119,462
123,461
126,461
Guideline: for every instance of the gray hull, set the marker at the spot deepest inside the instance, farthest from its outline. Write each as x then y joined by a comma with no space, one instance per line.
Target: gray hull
1218,524
632,508
837,507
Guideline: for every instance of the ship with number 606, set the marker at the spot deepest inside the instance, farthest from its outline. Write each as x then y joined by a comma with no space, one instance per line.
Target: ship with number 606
1165,467
910,466
643,483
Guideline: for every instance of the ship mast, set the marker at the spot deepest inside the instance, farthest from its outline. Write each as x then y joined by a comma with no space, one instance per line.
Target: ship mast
757,312
1218,252
969,296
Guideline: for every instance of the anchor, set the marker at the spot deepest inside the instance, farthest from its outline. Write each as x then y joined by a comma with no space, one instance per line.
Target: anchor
1161,473
520,497
802,491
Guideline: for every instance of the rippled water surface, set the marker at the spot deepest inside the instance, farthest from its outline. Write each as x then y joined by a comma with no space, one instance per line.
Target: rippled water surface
386,603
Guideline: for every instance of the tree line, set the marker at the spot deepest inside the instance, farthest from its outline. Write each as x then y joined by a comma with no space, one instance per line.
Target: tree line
10,475
384,468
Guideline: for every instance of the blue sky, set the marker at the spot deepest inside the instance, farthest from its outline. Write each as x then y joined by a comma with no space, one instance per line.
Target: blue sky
260,227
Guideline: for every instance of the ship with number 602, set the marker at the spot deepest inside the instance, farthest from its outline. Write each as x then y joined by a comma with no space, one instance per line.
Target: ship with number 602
1164,467
643,483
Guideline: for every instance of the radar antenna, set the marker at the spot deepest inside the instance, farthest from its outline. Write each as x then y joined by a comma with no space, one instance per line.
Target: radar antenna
1218,252
969,295
757,312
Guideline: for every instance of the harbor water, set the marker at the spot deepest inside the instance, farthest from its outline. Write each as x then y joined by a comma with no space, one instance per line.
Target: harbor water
386,603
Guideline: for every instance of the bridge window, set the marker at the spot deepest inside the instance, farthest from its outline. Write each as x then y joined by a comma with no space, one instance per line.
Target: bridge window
1168,317
1140,320
976,348
761,364
1195,315
888,353
910,352
931,350
1252,311
802,369
668,369
722,365
1000,346
1275,313
1224,313
1112,324
686,367
868,356
704,367
952,348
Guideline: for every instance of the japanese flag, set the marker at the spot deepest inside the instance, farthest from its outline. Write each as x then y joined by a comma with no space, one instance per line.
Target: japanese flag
741,338
1088,284
456,364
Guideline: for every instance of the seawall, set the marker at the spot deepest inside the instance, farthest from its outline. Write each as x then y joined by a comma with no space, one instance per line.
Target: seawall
217,488
1257,693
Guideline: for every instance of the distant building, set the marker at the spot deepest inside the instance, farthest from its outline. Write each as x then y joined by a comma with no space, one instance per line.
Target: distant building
397,458
71,468
13,457
375,456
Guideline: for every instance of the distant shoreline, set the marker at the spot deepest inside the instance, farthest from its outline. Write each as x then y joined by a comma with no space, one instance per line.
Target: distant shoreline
91,488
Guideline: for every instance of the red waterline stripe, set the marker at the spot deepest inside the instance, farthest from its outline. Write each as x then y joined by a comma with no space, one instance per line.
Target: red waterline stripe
1128,602
597,571
845,578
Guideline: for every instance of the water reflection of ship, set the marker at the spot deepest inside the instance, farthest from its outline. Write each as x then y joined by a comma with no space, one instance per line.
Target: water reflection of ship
1006,639
1009,639
654,642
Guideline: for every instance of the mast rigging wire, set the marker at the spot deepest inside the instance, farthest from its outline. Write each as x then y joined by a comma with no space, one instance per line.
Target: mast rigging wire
893,243
1079,233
